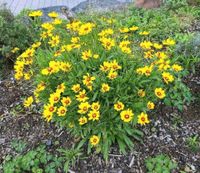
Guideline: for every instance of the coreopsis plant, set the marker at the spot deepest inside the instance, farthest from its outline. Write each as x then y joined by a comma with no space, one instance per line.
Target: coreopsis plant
97,79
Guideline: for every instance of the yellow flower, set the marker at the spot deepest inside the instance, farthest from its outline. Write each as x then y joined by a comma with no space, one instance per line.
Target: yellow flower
86,28
146,45
169,42
86,55
54,98
95,106
177,67
76,88
167,77
144,33
48,26
105,67
83,107
14,50
65,66
112,74
143,119
75,40
83,120
106,32
107,43
150,105
47,115
94,115
36,45
82,97
157,46
160,93
114,65
105,88
74,26
87,79
60,88
57,22
49,108
124,30
118,106
53,14
61,111
161,55
134,28
94,140
95,56
55,40
141,93
37,13
126,115
66,101
28,102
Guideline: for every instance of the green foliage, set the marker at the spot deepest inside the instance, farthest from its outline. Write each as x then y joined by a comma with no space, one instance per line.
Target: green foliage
193,143
18,145
35,161
160,164
69,157
15,32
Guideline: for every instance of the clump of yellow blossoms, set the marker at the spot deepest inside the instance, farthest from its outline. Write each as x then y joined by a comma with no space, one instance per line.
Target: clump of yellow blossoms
99,81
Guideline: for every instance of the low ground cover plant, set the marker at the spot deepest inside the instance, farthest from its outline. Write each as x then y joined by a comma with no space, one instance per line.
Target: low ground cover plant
99,80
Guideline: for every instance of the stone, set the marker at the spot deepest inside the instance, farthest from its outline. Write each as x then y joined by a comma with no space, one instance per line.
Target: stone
148,4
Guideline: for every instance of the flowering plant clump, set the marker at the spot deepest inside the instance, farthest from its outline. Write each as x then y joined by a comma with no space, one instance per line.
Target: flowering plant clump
97,79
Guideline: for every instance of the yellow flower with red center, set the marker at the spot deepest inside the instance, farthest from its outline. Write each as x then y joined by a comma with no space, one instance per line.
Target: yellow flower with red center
47,115
74,26
94,115
161,55
105,67
105,88
62,111
160,93
36,13
148,54
94,140
167,77
86,55
54,98
177,67
65,66
95,106
53,14
82,97
66,101
76,88
126,115
143,119
83,107
114,65
40,87
150,105
169,42
60,88
49,108
87,79
28,102
112,74
118,106
141,93
107,43
124,46
83,120
54,67
144,33
55,40
86,28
